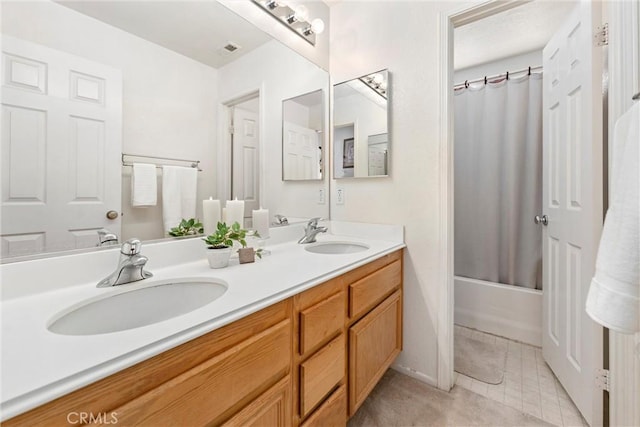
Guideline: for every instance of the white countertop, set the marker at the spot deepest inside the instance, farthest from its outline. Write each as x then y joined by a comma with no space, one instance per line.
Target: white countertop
38,366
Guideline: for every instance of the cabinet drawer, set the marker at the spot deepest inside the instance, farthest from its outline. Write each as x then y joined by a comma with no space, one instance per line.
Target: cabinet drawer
370,290
374,342
320,322
320,374
331,413
219,387
273,408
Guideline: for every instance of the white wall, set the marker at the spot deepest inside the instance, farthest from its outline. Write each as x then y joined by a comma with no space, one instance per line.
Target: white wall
168,100
319,54
402,36
278,73
501,66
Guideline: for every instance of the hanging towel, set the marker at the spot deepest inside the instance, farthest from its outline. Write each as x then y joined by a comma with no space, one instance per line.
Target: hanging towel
179,186
614,295
143,185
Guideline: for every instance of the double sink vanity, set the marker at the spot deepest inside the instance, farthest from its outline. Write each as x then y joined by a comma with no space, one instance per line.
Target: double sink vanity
298,338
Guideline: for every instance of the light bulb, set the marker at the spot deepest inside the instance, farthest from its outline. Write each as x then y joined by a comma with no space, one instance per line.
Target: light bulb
377,78
317,26
301,13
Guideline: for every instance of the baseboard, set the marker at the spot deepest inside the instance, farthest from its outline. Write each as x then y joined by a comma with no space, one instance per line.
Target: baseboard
415,374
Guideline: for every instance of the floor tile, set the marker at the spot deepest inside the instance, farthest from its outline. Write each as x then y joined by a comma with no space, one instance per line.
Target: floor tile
528,385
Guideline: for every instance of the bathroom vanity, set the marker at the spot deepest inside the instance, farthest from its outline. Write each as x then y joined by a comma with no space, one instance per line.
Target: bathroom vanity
299,338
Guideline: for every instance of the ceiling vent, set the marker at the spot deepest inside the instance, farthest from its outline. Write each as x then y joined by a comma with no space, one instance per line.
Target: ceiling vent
229,48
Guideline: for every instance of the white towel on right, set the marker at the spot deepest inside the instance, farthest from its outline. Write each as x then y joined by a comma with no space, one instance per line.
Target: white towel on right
179,186
614,294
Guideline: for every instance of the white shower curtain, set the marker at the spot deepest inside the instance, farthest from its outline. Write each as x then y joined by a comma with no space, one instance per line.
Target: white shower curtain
498,181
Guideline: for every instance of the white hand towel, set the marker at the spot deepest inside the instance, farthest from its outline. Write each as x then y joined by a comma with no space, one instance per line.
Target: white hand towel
614,295
144,188
179,185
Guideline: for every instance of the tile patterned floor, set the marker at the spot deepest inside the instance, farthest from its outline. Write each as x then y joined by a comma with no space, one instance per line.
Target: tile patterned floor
529,385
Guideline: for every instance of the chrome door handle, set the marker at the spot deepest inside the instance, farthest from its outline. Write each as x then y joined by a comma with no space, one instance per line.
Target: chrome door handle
544,220
112,215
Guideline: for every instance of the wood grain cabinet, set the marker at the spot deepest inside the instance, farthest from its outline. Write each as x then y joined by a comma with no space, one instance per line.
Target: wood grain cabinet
308,361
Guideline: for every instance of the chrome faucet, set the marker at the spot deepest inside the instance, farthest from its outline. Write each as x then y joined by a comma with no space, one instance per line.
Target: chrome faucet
107,238
281,220
130,266
311,231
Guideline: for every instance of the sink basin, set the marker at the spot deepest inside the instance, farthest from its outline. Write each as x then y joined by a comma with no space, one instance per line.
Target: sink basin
336,248
136,308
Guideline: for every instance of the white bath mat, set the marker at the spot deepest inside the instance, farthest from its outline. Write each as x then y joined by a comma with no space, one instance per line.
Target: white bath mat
478,359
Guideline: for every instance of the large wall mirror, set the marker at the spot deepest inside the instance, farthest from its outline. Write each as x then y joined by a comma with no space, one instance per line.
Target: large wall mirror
361,143
159,82
303,136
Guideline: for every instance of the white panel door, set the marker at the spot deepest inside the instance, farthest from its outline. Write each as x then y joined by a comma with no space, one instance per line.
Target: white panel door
301,152
61,145
246,160
572,193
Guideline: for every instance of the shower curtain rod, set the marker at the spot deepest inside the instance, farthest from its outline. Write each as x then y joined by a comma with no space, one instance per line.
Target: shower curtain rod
486,79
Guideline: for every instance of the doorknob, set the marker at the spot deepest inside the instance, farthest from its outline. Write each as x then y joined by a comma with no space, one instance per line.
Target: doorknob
544,220
112,214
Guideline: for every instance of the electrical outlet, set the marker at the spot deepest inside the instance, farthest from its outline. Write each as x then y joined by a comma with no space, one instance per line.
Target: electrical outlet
321,196
340,196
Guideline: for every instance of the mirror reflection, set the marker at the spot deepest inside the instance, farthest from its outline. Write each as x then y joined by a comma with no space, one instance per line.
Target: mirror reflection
89,81
302,137
361,143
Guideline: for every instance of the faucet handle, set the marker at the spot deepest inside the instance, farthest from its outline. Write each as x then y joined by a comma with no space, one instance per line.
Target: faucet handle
313,222
131,247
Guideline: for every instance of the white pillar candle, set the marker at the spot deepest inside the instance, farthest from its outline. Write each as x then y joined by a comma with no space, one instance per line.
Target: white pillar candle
210,215
261,222
235,212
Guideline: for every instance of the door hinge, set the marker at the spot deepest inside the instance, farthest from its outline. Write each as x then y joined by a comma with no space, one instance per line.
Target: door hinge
603,379
601,37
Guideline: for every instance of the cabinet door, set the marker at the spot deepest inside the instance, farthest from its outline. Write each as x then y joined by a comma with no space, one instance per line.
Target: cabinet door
332,413
320,374
374,342
273,408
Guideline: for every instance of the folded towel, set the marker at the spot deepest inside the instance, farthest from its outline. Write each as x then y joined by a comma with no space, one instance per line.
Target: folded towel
614,295
179,185
143,185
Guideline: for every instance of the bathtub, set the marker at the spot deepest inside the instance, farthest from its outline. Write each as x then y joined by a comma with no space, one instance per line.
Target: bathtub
508,311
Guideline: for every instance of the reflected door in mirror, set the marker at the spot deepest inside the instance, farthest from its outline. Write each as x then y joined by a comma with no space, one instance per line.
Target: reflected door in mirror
361,143
302,131
61,144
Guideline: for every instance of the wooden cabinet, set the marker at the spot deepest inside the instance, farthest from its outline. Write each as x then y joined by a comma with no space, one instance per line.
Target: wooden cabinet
374,343
204,381
332,413
273,408
309,361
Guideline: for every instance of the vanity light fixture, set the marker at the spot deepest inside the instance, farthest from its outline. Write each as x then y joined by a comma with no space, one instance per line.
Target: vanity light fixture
296,18
377,82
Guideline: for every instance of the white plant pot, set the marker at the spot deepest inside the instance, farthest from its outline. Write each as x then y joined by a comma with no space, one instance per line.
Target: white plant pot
218,258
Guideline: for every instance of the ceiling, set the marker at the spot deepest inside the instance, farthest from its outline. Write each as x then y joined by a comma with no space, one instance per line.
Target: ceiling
196,29
522,29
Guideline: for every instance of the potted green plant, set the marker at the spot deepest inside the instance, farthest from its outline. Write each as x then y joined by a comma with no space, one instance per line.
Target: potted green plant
220,243
187,227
